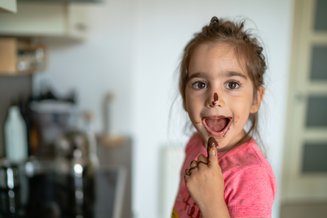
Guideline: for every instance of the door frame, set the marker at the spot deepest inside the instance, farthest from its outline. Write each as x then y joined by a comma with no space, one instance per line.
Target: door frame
297,186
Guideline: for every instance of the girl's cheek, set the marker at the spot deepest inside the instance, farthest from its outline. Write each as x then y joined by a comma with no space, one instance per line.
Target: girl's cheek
240,121
236,119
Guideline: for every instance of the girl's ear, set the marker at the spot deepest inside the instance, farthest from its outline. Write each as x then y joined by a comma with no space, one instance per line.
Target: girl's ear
258,99
184,105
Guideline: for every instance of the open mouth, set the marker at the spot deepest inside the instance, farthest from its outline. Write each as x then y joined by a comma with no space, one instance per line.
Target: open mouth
217,126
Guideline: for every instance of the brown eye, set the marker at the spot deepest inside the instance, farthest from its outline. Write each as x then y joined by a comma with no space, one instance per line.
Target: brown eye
199,85
232,85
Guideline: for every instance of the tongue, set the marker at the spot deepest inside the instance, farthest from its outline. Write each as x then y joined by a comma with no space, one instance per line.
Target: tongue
217,125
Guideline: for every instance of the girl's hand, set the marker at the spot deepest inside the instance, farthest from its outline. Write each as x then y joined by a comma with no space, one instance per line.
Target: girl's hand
204,181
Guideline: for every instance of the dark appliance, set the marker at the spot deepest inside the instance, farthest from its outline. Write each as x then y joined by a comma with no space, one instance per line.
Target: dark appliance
11,190
62,187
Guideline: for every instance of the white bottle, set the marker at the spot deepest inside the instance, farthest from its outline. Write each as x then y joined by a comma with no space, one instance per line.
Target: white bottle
15,136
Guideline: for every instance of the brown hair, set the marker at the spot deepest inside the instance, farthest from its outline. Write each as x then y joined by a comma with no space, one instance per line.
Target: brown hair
247,48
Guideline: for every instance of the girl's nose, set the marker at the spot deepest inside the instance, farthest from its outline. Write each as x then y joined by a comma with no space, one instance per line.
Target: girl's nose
214,100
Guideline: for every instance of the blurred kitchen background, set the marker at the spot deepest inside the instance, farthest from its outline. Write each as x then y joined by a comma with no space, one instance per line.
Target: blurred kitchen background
93,85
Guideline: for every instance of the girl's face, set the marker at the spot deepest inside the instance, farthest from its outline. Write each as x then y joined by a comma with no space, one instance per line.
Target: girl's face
219,94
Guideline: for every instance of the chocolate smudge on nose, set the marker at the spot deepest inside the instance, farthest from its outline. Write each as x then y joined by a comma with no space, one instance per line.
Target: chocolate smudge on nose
215,96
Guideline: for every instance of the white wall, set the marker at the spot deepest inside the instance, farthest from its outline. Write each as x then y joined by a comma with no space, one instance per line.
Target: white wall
133,50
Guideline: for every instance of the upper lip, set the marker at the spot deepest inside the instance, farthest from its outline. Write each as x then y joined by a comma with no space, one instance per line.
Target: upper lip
216,117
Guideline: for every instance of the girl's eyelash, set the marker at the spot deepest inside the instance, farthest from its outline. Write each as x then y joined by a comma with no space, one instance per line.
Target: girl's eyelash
232,85
199,84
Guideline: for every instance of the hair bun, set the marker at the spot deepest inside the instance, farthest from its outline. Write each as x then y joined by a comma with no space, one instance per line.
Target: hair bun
214,20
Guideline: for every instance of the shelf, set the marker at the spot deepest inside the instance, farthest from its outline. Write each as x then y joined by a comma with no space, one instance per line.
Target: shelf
36,19
21,56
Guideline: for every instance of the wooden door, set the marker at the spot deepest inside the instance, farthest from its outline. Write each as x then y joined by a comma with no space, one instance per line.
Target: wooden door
305,156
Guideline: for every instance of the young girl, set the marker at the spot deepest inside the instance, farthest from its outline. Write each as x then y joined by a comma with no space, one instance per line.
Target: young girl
224,173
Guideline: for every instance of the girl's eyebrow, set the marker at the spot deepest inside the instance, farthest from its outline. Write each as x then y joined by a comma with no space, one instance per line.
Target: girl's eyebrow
234,73
194,75
227,74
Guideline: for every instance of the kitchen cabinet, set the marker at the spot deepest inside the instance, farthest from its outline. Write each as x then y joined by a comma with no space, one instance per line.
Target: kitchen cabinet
36,19
8,6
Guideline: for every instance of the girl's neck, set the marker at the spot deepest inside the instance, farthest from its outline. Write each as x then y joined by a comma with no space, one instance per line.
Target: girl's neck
244,139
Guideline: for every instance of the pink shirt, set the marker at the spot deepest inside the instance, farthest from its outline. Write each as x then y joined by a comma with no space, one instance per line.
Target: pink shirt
249,181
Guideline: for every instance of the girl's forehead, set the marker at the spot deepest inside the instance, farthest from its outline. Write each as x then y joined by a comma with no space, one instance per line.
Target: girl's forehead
222,54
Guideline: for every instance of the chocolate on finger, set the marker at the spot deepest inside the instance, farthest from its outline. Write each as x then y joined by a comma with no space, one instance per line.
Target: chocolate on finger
211,143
